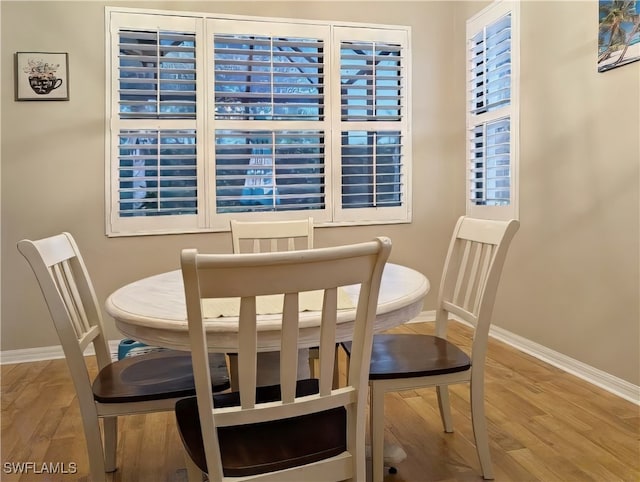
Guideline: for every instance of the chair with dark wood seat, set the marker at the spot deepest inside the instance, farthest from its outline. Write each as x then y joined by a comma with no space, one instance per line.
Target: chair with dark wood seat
472,270
300,429
140,384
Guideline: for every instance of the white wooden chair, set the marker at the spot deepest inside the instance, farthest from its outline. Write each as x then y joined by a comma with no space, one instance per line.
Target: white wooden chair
272,236
140,384
472,270
300,429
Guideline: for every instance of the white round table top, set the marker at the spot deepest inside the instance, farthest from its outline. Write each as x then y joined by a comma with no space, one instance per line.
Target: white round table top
152,310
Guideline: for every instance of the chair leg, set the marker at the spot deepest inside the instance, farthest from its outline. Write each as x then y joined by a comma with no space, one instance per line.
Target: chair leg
376,427
314,354
194,474
233,371
445,407
95,449
110,426
479,424
336,367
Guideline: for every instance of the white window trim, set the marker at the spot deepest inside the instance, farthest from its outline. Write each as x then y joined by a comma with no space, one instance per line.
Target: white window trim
485,17
207,220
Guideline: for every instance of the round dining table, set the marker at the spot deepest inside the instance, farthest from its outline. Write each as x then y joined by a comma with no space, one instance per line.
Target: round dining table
152,310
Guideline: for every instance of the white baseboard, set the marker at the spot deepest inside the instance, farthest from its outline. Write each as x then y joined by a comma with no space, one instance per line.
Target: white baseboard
26,355
604,380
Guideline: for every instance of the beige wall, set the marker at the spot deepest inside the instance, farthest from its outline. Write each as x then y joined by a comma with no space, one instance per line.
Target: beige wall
580,207
571,280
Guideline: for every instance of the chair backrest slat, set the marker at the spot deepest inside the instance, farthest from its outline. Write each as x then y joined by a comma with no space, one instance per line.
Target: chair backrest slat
247,345
210,276
74,293
471,273
487,253
66,284
327,340
461,275
60,282
289,347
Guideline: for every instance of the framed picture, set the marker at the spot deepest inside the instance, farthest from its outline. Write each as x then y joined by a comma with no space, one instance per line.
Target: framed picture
42,76
618,33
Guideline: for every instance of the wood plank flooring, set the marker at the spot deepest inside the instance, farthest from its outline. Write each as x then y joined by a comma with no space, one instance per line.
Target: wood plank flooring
544,425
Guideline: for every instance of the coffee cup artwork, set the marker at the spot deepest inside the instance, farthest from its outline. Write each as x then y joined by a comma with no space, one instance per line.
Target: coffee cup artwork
41,76
43,79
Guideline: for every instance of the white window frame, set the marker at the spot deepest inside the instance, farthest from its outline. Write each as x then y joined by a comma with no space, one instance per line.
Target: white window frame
475,25
207,219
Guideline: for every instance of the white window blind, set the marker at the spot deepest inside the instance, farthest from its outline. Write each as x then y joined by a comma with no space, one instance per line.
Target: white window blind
157,172
490,168
269,171
371,169
491,67
217,118
266,77
371,81
492,113
157,74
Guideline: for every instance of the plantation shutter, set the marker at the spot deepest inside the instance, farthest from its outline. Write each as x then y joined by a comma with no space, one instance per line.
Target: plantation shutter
270,123
373,119
154,141
491,114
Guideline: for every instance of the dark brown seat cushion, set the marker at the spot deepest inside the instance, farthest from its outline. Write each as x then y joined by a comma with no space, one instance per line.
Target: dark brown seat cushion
155,376
408,356
265,447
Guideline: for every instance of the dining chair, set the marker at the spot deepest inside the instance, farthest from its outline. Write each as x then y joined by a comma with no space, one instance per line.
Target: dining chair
468,286
300,429
271,236
139,384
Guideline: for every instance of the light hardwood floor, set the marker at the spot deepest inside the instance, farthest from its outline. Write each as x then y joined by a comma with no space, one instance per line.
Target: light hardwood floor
544,425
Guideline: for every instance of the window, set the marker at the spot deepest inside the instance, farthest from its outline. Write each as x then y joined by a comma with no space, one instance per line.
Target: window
215,118
492,113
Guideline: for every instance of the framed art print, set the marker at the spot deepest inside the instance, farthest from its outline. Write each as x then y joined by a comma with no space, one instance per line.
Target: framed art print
618,33
42,76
